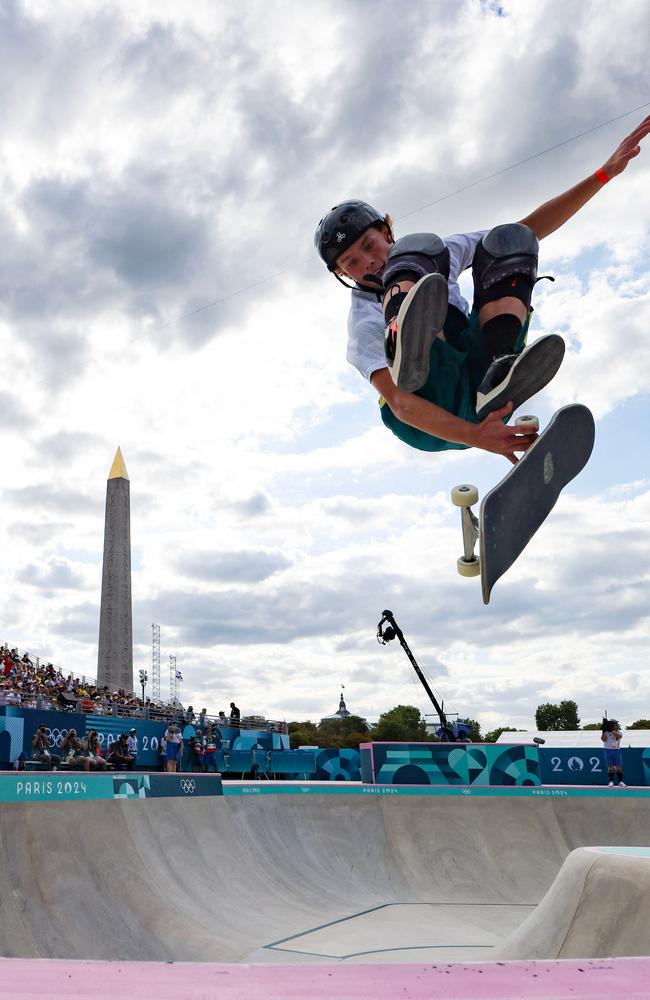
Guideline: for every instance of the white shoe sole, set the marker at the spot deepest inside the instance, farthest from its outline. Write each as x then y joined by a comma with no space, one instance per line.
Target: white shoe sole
534,369
420,318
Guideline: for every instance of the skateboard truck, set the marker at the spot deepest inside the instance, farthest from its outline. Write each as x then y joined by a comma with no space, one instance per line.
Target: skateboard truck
465,496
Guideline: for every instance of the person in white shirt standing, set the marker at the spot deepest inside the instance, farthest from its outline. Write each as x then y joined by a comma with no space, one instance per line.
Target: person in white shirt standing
611,737
132,743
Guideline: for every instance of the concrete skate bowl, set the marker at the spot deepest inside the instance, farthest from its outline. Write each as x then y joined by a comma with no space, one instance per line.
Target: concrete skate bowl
597,907
296,878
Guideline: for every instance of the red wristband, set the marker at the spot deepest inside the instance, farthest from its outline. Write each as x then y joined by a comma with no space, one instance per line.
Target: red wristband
602,176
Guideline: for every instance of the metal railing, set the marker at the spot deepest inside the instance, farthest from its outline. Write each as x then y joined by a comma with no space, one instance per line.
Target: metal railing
42,661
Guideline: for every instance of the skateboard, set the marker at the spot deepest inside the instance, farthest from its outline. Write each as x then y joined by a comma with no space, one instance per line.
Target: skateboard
511,513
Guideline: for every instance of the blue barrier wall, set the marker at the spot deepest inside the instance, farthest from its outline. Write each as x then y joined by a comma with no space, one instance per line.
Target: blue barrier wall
449,764
337,765
327,764
299,765
18,725
494,764
586,766
381,763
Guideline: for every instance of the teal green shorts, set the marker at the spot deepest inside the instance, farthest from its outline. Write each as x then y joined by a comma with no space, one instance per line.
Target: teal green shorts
455,373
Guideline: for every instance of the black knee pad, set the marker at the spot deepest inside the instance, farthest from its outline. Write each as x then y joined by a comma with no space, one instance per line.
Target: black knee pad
505,264
413,256
517,286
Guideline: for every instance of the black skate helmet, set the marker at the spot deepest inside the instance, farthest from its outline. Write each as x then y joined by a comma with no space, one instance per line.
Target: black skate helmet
342,225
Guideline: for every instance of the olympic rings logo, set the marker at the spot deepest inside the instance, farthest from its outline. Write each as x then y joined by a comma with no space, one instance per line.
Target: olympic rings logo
56,735
188,785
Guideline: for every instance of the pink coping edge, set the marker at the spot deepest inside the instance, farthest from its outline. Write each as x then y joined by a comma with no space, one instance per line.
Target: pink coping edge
28,979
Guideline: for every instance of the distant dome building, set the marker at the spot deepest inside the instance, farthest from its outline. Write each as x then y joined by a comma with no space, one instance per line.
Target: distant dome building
341,714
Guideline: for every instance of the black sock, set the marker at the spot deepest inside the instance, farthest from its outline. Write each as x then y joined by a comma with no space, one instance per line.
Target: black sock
612,776
501,334
391,307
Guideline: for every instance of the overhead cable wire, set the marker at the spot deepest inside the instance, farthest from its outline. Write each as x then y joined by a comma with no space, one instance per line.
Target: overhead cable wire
414,211
300,263
519,163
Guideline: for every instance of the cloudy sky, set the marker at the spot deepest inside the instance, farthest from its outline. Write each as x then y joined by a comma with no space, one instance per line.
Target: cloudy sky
162,169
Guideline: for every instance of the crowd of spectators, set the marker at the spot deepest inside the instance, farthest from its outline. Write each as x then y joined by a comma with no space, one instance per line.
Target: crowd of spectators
43,686
29,683
196,753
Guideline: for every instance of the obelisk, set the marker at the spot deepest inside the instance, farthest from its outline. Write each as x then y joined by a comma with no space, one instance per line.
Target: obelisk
115,656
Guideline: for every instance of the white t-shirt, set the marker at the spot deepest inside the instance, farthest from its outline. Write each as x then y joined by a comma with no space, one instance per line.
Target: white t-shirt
612,742
366,320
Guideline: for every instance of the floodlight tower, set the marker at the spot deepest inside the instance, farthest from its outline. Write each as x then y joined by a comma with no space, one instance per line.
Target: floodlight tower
155,662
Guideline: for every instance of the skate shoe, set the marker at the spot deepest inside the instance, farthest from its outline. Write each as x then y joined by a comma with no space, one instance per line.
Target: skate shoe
622,784
611,784
408,337
516,377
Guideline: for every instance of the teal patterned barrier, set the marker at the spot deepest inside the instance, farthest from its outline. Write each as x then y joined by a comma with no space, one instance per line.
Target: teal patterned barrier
449,764
313,765
60,786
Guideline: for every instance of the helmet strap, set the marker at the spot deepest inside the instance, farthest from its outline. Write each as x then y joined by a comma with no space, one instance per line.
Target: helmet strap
376,291
344,283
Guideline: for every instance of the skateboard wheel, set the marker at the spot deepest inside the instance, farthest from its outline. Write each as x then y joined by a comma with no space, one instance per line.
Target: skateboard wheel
468,567
527,423
464,495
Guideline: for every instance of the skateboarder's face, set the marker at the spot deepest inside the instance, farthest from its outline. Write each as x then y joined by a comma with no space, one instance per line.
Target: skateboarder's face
367,255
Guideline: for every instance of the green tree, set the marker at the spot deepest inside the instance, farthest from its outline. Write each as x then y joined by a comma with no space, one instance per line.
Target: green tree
593,726
404,723
304,734
639,724
550,717
494,734
334,733
339,733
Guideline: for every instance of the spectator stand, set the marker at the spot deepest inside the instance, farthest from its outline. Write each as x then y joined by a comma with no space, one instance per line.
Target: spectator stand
32,683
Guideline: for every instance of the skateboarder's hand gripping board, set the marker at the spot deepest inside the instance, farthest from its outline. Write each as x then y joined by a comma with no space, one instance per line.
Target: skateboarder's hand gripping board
490,435
493,435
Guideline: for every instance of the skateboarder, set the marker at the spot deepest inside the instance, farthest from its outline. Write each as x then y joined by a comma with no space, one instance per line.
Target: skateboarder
448,378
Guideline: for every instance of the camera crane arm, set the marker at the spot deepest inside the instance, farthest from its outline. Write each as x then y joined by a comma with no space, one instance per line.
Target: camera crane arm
387,630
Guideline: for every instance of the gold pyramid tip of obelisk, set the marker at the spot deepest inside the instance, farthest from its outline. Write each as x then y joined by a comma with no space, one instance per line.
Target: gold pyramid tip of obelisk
118,468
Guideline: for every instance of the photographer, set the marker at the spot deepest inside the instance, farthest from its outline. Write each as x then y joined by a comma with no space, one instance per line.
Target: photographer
119,755
73,752
197,744
95,751
41,744
174,747
611,737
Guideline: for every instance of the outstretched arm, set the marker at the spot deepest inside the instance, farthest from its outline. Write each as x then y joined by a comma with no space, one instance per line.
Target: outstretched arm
554,213
490,435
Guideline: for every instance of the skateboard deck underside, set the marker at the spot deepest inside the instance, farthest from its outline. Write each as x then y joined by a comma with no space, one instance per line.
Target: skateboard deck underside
512,512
